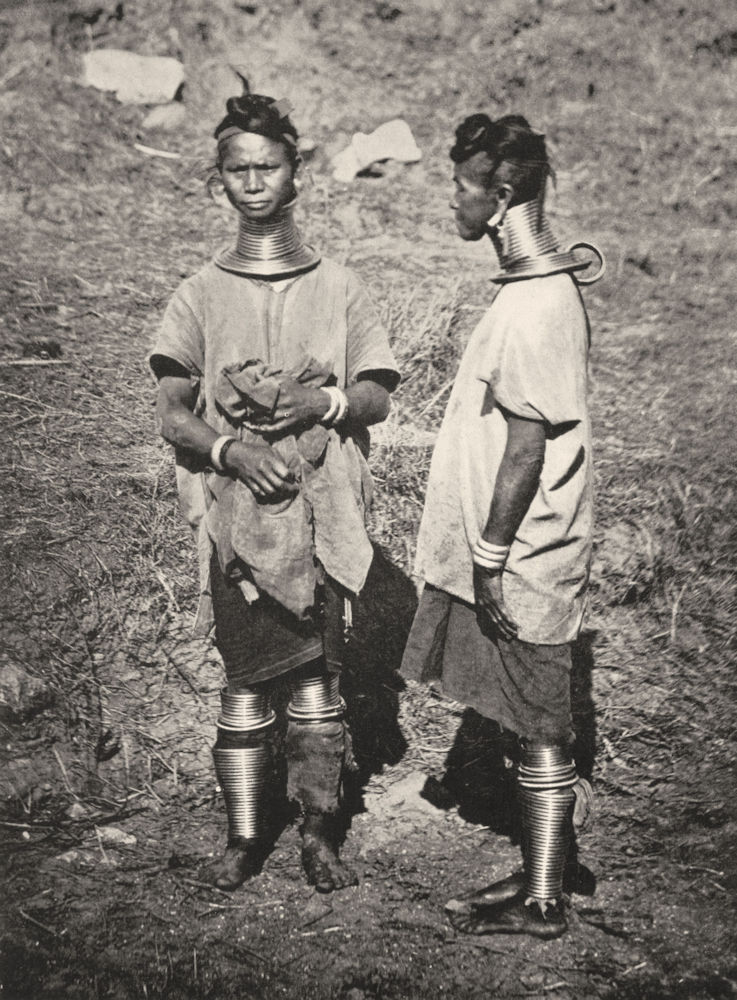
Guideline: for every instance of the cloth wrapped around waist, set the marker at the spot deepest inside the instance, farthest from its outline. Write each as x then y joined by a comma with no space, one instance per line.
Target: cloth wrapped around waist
284,544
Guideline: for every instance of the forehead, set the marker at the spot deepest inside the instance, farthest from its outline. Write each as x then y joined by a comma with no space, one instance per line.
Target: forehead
249,147
474,171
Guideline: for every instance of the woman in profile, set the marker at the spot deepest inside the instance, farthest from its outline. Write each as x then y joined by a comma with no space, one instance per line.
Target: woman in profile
271,364
505,539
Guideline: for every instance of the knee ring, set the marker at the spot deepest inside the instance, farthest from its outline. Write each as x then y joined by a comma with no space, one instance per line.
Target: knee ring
315,698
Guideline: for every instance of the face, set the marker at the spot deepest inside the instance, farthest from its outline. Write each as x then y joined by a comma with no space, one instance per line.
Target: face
257,175
472,202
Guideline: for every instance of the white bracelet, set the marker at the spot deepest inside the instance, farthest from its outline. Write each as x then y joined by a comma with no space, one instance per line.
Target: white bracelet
338,406
490,556
216,451
490,549
327,419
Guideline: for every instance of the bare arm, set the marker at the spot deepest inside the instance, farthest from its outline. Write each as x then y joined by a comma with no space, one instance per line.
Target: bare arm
517,480
255,463
368,403
516,485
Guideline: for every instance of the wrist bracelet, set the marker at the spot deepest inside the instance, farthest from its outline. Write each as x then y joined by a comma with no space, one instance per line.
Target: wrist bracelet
490,556
224,453
338,410
489,549
216,452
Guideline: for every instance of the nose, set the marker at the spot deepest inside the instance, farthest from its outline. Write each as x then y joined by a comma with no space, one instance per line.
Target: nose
254,181
453,205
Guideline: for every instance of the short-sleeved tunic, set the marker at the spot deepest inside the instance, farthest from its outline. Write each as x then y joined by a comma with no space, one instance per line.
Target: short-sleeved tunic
527,357
216,319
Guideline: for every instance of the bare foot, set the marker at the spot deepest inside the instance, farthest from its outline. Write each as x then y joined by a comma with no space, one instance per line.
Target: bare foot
320,860
577,879
242,859
497,892
519,915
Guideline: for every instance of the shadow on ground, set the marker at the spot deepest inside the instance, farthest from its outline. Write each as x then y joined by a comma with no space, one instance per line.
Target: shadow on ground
480,773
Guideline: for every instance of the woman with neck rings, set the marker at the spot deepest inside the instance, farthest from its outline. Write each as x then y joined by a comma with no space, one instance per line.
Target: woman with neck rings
272,363
505,538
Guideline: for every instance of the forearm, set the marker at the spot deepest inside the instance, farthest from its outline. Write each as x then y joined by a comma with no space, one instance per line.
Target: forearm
516,486
517,481
180,427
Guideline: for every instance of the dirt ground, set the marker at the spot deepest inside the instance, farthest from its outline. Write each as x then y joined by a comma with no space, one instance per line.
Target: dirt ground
108,805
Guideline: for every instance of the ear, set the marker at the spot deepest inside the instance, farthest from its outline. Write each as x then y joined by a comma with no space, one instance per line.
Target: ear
298,176
216,189
504,195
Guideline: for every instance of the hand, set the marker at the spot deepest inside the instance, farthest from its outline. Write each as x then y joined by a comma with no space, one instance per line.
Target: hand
487,586
585,808
297,404
258,466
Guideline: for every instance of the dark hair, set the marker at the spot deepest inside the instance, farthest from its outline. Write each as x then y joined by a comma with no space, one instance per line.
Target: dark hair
260,114
516,154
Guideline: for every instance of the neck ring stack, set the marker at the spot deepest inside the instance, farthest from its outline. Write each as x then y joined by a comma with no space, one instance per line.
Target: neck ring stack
527,248
269,249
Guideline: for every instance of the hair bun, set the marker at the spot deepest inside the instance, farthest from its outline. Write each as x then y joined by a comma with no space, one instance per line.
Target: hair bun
472,135
519,120
258,113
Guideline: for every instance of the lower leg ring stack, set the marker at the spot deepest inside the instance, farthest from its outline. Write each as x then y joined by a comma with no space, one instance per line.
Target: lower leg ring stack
546,778
242,759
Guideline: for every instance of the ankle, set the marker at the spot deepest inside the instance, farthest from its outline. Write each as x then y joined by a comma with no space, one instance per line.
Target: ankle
244,843
320,826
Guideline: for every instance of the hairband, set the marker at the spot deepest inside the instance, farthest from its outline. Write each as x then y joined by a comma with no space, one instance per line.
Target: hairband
282,107
232,130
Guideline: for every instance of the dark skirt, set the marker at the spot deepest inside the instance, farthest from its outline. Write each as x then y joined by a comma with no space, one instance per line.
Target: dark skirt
524,687
263,640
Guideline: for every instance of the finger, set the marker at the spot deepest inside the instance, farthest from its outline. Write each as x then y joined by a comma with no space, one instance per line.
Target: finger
496,622
505,616
584,809
282,425
506,628
280,483
265,484
509,629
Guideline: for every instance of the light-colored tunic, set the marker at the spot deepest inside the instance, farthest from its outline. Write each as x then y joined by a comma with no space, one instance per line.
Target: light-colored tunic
217,319
528,355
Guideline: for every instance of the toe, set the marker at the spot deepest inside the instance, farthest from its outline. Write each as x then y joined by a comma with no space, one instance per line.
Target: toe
458,906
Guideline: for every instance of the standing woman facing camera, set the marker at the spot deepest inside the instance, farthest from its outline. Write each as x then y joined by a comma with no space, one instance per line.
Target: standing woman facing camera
505,538
271,364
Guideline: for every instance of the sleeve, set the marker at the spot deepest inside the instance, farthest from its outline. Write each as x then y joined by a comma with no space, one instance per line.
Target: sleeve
540,373
180,335
367,343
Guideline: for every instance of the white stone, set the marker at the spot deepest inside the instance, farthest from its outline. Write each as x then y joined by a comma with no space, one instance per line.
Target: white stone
165,117
134,79
20,691
113,836
391,141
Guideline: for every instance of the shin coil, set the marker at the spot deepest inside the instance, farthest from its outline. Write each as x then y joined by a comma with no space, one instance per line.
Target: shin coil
242,758
546,778
315,697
